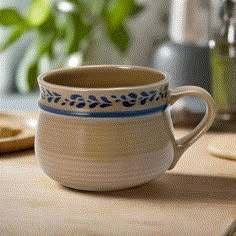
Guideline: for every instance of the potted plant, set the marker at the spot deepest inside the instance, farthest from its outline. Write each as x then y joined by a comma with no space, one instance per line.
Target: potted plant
62,28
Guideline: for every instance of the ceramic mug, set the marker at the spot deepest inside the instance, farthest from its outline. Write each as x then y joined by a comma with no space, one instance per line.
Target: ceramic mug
109,127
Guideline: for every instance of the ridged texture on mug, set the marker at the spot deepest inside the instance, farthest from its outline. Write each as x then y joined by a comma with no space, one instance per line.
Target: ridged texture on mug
110,156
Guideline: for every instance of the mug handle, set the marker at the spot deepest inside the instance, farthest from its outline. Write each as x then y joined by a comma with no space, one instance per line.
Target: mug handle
182,144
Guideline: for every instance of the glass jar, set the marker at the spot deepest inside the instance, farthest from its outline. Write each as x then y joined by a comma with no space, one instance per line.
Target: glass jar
223,68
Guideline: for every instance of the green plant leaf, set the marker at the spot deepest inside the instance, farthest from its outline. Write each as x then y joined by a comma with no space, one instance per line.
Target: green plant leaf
45,43
47,34
77,31
38,12
10,16
82,7
118,11
119,37
136,9
32,75
27,71
12,38
96,6
71,42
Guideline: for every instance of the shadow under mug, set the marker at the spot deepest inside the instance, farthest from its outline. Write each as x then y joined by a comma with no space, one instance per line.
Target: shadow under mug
109,127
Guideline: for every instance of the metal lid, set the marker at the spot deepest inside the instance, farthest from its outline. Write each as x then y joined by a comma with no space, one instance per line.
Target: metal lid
189,21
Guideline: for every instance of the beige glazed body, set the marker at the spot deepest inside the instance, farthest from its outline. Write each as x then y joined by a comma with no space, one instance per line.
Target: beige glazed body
109,127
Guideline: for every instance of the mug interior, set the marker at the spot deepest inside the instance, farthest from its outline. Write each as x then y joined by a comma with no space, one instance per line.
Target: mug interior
104,77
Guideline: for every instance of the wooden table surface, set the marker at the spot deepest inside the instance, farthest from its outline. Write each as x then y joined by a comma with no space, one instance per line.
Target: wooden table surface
198,197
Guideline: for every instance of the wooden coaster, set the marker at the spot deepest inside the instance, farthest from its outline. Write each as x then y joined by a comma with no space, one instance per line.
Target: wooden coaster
223,146
17,131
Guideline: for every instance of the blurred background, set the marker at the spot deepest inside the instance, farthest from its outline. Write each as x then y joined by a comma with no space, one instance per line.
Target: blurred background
179,37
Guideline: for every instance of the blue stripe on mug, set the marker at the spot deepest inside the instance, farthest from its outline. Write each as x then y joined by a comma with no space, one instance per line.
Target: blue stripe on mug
120,114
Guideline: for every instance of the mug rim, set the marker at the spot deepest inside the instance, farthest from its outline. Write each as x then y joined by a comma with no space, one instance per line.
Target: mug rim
164,81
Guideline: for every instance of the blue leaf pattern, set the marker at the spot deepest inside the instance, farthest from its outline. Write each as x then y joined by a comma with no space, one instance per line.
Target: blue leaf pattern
75,96
143,101
56,94
49,92
152,98
105,105
50,99
92,101
56,100
92,97
132,95
153,92
93,105
144,94
127,104
80,105
104,99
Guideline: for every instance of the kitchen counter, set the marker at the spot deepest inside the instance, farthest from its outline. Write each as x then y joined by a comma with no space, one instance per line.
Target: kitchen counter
197,197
